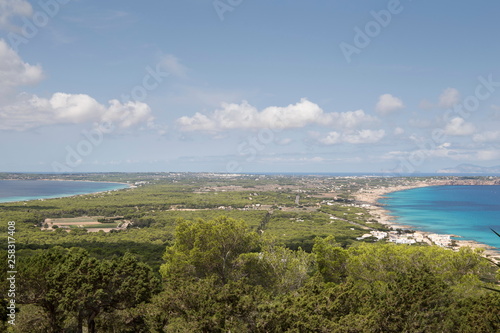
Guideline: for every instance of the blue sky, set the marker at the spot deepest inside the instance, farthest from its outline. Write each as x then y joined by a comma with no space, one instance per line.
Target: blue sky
248,86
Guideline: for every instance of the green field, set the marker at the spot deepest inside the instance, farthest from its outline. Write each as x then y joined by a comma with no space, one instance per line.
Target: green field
72,220
97,226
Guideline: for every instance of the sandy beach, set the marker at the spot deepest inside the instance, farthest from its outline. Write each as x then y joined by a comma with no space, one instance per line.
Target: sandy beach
372,196
382,215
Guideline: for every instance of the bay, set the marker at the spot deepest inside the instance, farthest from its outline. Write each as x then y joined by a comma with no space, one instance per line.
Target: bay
23,190
467,211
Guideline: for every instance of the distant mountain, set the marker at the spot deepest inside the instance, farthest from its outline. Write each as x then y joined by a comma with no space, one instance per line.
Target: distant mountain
471,168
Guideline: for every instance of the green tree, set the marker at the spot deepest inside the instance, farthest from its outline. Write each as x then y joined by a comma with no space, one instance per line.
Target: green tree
204,248
416,301
204,305
69,284
317,307
35,286
385,262
331,259
88,287
277,268
478,314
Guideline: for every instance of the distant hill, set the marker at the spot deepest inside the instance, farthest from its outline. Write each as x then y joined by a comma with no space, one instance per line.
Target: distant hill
471,168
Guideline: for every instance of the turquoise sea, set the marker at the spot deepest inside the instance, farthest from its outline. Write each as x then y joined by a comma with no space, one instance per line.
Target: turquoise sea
466,211
21,190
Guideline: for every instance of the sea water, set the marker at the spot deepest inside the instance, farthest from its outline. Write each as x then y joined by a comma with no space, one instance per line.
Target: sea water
466,211
21,190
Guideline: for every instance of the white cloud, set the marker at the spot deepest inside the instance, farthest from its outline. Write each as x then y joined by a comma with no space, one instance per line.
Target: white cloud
127,115
487,155
364,136
14,72
445,145
32,111
349,119
246,116
173,66
331,138
387,104
357,137
398,131
490,136
459,127
448,98
12,8
26,111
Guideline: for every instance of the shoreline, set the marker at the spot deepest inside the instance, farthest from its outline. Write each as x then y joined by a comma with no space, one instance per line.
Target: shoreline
58,196
383,215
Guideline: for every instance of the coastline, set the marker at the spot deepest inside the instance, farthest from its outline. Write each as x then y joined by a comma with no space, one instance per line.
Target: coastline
383,216
59,196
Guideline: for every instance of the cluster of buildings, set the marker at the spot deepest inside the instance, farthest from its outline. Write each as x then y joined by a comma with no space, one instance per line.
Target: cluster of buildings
410,238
